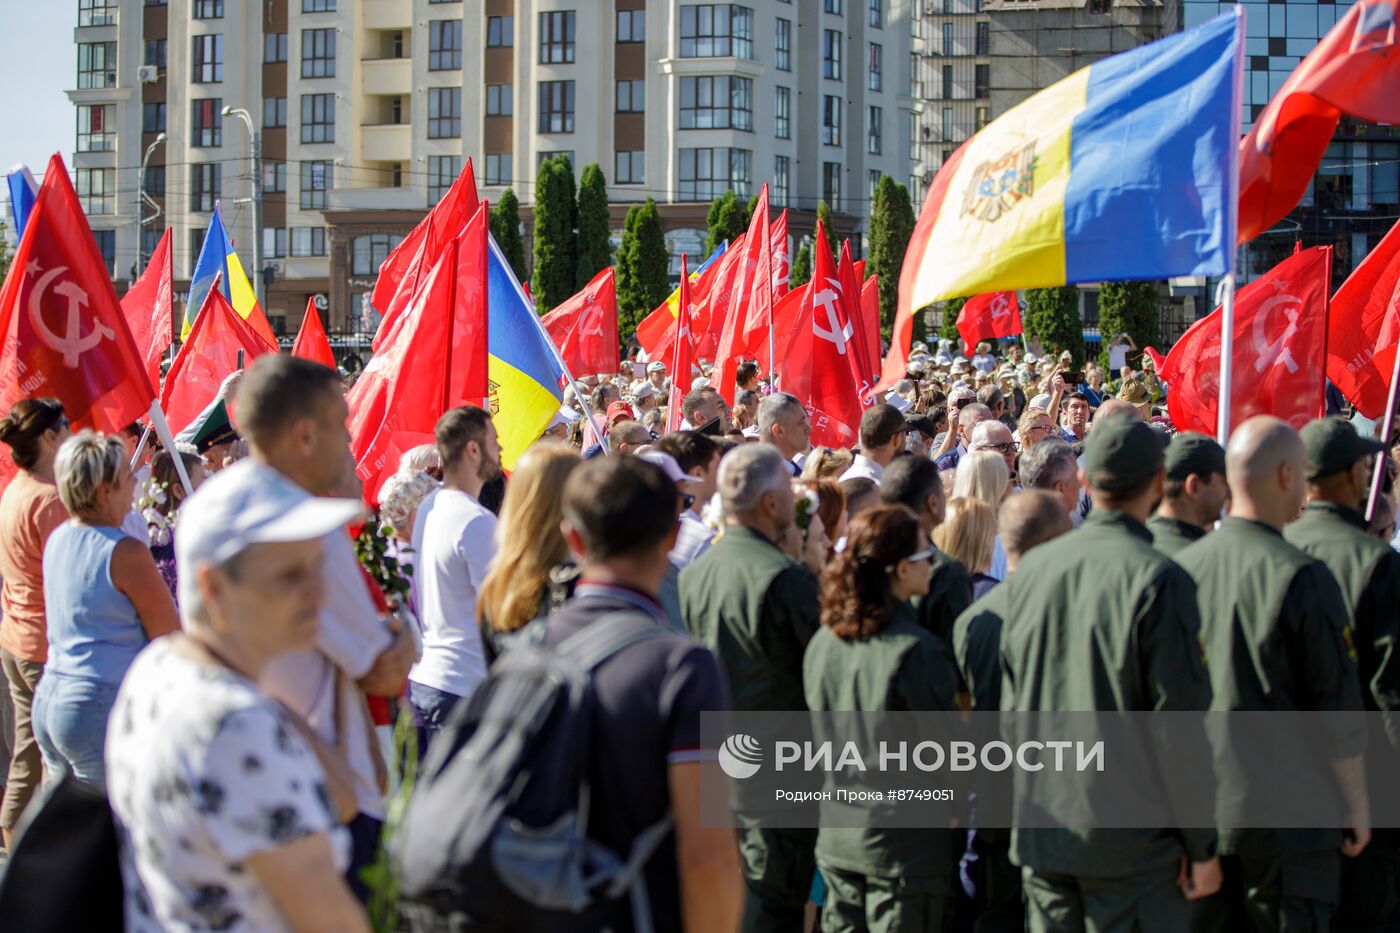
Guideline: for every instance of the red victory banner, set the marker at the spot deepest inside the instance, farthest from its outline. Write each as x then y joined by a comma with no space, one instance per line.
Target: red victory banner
149,309
312,343
584,327
1362,330
986,317
207,358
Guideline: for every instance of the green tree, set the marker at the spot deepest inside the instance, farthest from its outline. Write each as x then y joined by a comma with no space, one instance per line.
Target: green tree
824,220
1053,315
891,226
643,268
505,227
949,328
5,254
1128,308
594,250
800,272
556,245
727,219
750,208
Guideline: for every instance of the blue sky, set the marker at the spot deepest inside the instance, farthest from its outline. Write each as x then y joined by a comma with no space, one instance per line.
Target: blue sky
37,65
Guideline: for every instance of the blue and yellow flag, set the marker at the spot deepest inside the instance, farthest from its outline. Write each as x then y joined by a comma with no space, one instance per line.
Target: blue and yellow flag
217,258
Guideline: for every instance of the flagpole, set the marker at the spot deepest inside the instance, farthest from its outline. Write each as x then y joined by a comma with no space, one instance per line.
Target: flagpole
1389,418
1225,294
163,432
1231,236
141,447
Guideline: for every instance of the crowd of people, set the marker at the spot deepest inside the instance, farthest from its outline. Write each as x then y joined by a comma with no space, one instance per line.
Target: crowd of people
1010,532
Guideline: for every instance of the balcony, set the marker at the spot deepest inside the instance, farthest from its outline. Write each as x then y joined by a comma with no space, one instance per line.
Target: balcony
388,76
386,143
387,14
375,199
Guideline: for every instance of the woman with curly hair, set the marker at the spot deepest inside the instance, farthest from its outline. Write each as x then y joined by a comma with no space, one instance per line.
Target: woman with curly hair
871,656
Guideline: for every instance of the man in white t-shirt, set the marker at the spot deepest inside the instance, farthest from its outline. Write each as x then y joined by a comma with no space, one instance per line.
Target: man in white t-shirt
453,542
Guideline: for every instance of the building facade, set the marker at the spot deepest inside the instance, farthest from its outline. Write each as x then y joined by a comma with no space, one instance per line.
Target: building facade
366,110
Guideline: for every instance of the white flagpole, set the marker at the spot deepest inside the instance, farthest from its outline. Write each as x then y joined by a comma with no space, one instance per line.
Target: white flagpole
141,447
1225,294
163,432
1389,418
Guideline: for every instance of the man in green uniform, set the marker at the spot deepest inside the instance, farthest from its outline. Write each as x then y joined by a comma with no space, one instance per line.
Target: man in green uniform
1102,621
756,608
1275,629
1333,530
1195,493
914,482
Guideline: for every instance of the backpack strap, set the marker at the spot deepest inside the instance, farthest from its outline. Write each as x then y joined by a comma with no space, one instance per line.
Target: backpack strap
632,877
604,638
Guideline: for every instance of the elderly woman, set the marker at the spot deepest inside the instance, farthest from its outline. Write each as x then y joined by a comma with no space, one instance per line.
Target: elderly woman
104,600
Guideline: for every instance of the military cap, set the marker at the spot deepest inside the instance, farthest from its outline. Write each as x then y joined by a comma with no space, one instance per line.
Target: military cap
1125,448
1193,453
1333,446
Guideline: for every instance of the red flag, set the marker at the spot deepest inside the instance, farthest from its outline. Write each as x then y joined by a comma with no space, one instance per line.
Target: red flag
1354,70
419,267
1279,341
865,359
1361,335
312,343
584,328
781,265
148,307
749,314
443,222
207,358
713,301
870,310
829,388
985,317
468,361
788,319
63,329
682,355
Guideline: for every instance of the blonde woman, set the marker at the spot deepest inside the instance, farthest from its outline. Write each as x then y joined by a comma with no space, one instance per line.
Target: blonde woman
520,585
969,534
827,463
983,476
1034,427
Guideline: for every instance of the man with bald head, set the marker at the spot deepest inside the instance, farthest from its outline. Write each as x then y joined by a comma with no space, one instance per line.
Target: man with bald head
1275,627
996,437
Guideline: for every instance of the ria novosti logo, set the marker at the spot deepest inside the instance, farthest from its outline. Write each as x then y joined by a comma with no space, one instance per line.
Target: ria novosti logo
740,756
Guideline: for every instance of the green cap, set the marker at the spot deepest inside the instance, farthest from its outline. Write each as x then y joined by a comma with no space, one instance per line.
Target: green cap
1333,446
1190,452
1125,448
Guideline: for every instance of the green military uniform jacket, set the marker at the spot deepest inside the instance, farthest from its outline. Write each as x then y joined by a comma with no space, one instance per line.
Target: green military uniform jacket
1276,635
977,647
1100,620
902,668
949,593
1171,535
755,608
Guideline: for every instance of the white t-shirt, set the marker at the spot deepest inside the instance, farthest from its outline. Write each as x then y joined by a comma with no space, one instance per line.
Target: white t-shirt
204,771
693,539
863,467
453,539
1117,356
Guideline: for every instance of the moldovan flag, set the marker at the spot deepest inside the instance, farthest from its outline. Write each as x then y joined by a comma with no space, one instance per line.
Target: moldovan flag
312,343
1279,341
1354,70
219,263
986,317
1123,170
1363,330
433,233
207,358
682,356
149,309
828,386
584,328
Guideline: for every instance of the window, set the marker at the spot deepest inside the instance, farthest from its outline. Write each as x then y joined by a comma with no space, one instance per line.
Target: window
984,116
318,118
983,39
876,68
916,82
499,169
947,38
543,156
716,30
500,100
153,117
150,239
782,116
782,180
97,13
274,242
208,59
982,81
444,44
831,54
97,193
204,185
914,133
95,132
831,184
831,120
872,181
500,32
630,168
631,26
444,112
782,45
155,53
557,37
875,136
631,96
556,107
708,173
947,82
368,252
308,241
947,128
274,177
318,53
97,65
318,6
274,47
208,9
107,246
877,13
442,172
315,182
722,102
832,6
274,112
155,181
206,122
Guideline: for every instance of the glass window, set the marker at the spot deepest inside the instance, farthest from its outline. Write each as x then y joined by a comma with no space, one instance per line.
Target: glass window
557,37
877,13
274,176
499,169
1385,174
98,13
831,120
318,6
155,180
947,38
274,242
983,38
831,54
832,6
712,30
981,81
208,9
150,239
153,117
876,67
204,185
308,241
97,190
368,252
206,122
708,173
208,59
444,112
556,107
782,181
500,32
442,172
782,113
274,112
95,130
97,65
947,82
946,132
275,47
630,167
914,132
107,246
872,181
500,100
318,118
155,53
916,82
720,102
631,25
315,182
318,53
831,184
444,44
875,137
783,45
631,96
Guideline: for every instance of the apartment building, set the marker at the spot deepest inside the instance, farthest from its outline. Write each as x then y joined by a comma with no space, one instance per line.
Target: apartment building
366,110
951,56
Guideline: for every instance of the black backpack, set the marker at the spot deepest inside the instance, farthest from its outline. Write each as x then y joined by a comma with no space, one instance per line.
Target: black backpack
496,832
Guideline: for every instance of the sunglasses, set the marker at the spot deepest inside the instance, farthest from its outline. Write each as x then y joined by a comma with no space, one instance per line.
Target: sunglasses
61,424
926,554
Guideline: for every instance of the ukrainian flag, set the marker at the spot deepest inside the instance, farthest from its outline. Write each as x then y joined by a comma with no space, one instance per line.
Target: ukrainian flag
1123,170
524,370
217,258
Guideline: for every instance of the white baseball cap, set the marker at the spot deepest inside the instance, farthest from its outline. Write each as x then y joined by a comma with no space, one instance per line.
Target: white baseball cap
656,366
645,390
668,465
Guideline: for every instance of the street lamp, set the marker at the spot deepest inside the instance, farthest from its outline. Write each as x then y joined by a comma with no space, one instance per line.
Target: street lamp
257,276
147,199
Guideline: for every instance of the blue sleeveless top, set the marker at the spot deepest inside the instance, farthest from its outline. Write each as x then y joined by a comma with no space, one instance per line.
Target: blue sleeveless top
94,631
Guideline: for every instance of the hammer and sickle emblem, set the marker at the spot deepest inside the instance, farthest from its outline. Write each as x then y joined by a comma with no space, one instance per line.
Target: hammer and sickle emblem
592,322
1272,354
834,331
73,344
1000,307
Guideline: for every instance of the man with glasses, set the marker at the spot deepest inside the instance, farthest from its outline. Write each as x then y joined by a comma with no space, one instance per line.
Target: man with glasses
995,437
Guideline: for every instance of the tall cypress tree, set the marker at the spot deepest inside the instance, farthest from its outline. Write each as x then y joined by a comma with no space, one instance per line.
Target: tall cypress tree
891,226
505,227
556,246
643,267
727,219
949,328
824,219
800,272
1053,315
1129,308
594,250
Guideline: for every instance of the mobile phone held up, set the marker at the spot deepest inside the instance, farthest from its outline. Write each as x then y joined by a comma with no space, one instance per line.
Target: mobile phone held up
1072,377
